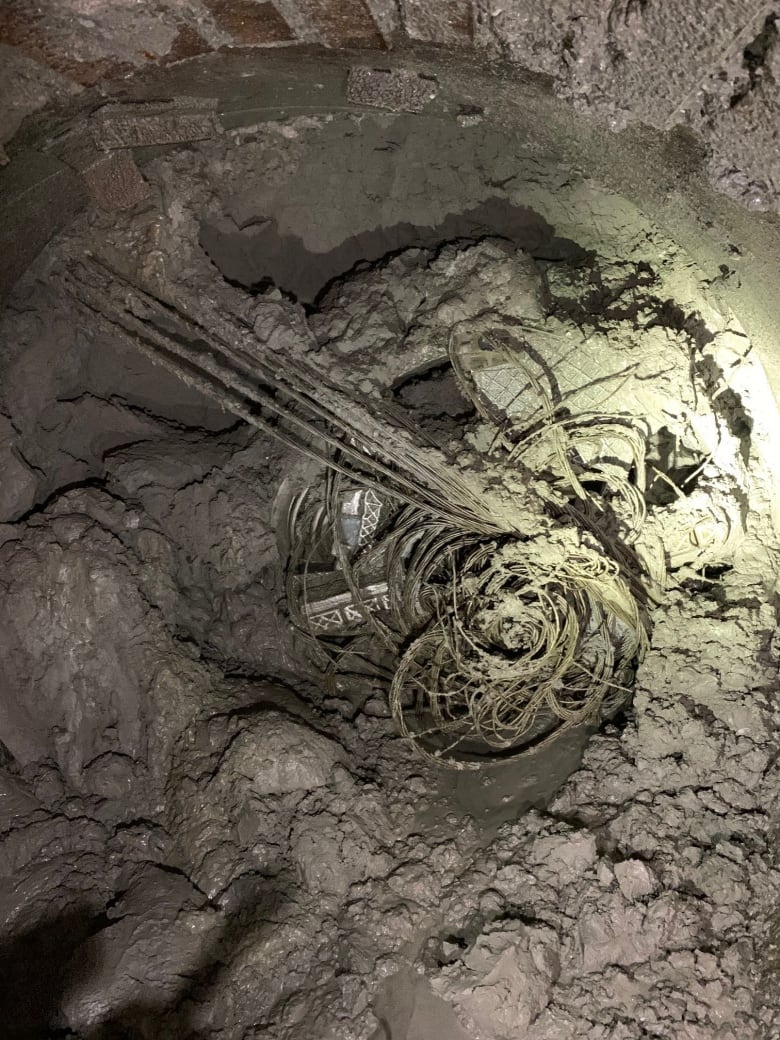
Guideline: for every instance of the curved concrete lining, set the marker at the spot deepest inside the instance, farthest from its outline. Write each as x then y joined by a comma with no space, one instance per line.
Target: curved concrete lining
42,188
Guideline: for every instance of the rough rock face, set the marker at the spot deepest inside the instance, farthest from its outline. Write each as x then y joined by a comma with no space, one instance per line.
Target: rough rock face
19,482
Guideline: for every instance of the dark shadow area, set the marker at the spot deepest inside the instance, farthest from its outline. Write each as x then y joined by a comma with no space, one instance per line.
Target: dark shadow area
756,59
255,911
36,967
258,256
672,469
33,969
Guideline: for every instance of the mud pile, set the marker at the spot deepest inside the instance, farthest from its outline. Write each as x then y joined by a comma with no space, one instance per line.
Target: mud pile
204,837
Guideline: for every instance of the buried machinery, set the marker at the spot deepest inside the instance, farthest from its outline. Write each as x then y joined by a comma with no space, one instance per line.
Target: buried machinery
506,570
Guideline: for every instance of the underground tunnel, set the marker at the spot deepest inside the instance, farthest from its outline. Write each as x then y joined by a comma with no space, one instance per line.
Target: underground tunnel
389,457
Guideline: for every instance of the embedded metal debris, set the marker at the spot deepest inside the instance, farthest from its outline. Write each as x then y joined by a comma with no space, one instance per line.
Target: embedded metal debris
170,122
397,90
512,616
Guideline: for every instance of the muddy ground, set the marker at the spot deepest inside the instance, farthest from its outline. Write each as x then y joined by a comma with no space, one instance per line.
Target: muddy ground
203,838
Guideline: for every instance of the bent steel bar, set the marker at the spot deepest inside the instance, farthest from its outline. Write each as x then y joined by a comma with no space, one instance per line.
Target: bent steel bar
294,399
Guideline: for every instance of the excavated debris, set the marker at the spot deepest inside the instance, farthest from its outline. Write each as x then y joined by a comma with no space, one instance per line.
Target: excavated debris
511,581
208,833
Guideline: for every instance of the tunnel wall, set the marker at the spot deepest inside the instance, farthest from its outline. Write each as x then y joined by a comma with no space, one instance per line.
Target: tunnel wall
57,164
714,68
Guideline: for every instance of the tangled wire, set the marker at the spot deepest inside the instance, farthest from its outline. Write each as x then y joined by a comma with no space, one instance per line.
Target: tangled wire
526,639
510,594
502,643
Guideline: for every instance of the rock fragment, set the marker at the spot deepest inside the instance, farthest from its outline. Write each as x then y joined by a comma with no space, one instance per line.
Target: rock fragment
635,879
503,984
115,182
398,90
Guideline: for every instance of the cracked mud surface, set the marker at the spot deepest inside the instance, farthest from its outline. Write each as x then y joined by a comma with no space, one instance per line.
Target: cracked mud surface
209,841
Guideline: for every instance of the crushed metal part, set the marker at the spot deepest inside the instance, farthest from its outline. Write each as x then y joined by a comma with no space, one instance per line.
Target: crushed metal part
76,147
360,514
523,579
342,612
